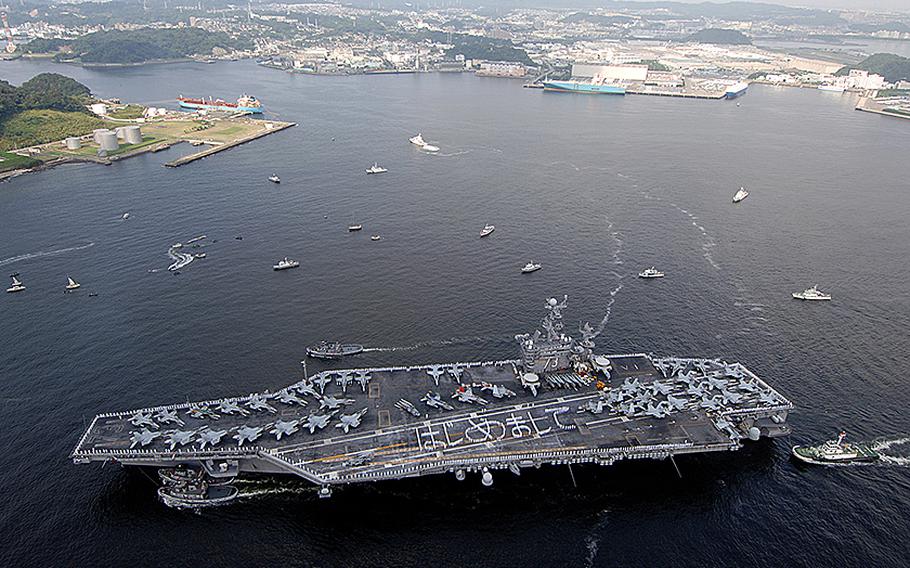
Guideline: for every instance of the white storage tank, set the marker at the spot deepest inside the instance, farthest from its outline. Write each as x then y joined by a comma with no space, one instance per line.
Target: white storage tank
99,109
132,134
73,143
96,134
121,132
109,141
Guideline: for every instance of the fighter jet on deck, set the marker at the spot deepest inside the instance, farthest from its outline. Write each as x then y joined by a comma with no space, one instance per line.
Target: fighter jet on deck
143,437
716,383
168,417
348,421
660,388
677,403
210,437
283,428
332,403
257,402
245,433
322,380
343,380
436,371
179,437
306,389
456,372
731,397
230,407
658,411
592,406
768,397
317,421
362,379
466,394
498,391
748,386
287,397
434,400
201,412
711,403
142,419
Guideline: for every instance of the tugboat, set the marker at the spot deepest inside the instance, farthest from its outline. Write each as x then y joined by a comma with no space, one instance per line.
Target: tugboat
531,267
196,494
487,230
183,474
333,350
71,284
740,195
650,273
285,263
376,169
274,179
811,294
15,285
836,452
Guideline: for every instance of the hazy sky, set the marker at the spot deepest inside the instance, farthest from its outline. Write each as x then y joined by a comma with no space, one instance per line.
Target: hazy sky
883,5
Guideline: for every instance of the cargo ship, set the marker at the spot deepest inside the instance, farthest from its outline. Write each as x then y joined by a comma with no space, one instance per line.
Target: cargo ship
560,402
737,90
246,103
592,87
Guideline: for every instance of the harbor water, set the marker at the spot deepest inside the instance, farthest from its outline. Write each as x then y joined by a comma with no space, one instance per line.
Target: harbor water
593,188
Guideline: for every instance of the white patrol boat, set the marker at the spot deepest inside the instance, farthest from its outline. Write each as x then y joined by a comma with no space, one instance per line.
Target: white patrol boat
650,273
531,267
285,263
376,169
811,294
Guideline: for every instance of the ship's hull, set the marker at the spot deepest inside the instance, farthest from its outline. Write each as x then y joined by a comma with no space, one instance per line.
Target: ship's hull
736,91
583,88
216,106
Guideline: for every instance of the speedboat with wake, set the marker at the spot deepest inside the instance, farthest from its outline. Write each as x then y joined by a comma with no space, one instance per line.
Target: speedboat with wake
423,144
274,179
333,350
836,452
487,230
71,284
740,195
650,273
285,263
811,294
376,169
531,267
15,285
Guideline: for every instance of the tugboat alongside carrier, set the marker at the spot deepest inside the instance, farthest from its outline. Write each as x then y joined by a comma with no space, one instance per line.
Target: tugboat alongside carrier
836,452
560,402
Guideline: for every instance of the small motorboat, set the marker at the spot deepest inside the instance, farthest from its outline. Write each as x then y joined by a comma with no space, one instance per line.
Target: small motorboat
740,195
355,227
376,169
126,216
285,263
650,273
417,140
274,179
531,267
15,285
375,238
71,284
487,230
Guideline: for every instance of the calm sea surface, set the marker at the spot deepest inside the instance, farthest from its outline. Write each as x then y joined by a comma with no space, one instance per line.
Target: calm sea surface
594,188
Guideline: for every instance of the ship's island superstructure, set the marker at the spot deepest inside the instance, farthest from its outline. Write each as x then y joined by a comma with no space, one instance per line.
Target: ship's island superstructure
560,403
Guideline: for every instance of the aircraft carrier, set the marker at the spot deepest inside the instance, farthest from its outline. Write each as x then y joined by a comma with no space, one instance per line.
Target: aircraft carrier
559,403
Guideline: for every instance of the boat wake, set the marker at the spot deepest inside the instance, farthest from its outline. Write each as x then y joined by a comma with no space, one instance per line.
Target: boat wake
426,344
607,311
40,254
893,457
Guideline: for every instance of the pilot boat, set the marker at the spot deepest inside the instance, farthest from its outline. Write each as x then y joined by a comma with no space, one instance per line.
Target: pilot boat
285,263
836,452
487,230
650,273
376,169
196,494
15,285
71,284
531,267
355,227
274,179
740,195
811,294
333,350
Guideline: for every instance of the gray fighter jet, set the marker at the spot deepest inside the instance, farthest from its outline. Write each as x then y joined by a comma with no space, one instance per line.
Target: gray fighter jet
343,380
201,412
210,438
498,391
318,421
306,389
287,397
180,437
348,421
142,419
456,372
659,410
767,397
616,396
677,403
166,416
660,388
362,379
749,386
629,408
436,371
322,380
143,437
711,403
466,394
592,406
406,406
434,400
696,390
717,383
283,428
332,403
257,402
731,397
230,407
631,384
248,434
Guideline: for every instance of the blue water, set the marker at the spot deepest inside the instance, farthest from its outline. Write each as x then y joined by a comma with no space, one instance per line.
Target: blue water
594,188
